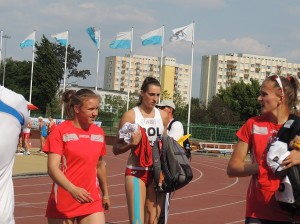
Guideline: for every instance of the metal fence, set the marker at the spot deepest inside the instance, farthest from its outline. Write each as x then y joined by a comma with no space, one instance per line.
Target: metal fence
214,133
201,132
207,133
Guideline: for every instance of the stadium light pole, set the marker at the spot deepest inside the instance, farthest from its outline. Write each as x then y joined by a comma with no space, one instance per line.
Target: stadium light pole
4,60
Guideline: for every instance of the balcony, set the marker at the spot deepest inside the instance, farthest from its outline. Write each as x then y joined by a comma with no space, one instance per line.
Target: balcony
231,66
176,70
229,82
151,66
230,74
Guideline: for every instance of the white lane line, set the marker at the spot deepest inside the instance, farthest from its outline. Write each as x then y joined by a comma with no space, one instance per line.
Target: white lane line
208,208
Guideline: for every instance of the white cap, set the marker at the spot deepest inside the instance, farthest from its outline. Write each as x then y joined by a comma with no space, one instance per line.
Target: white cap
166,103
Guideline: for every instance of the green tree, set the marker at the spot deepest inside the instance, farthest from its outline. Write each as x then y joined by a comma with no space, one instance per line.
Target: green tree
177,99
241,98
165,95
219,113
73,59
48,73
17,76
117,103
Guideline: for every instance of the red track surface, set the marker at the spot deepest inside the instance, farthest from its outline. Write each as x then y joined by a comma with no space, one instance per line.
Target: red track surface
211,197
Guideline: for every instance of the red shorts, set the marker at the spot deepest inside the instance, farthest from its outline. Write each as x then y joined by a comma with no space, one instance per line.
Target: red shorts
143,173
25,135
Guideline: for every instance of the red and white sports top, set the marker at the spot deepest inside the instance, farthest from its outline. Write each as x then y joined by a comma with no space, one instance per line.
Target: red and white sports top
261,202
80,151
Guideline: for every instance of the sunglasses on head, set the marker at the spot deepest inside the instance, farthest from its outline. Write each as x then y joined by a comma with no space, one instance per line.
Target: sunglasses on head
277,79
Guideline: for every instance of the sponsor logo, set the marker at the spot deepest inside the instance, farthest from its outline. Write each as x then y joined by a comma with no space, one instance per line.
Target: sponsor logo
70,137
97,138
260,130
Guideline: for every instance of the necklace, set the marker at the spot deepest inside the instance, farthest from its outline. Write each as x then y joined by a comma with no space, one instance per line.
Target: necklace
145,114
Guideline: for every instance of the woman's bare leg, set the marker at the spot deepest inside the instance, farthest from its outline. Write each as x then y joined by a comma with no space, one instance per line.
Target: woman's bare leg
136,196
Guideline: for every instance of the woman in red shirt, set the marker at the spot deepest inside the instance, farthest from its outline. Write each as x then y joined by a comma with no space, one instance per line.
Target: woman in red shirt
75,150
278,98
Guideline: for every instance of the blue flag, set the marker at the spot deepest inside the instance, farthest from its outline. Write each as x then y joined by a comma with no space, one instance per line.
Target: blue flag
123,41
29,41
94,35
61,38
152,37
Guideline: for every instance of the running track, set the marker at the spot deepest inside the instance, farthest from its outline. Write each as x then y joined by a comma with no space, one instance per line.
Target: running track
211,197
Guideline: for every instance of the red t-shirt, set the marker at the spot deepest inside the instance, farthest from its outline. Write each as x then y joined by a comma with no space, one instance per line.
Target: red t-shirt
261,202
80,151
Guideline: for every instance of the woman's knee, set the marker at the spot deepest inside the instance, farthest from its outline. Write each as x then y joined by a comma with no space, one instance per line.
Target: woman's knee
95,218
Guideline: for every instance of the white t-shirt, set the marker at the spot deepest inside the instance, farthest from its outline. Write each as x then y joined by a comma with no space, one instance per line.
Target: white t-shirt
176,130
13,115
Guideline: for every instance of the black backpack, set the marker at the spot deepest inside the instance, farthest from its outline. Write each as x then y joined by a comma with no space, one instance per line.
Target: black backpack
171,167
287,132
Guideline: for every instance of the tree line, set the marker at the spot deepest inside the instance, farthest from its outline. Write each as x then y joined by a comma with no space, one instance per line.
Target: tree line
231,106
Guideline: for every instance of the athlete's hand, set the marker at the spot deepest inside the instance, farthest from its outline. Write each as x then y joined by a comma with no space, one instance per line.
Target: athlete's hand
81,195
136,137
106,203
292,159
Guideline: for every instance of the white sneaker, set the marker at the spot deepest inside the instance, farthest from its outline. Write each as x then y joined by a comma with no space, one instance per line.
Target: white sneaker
27,153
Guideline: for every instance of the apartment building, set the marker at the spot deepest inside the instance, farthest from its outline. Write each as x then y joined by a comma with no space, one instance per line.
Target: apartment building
175,77
222,70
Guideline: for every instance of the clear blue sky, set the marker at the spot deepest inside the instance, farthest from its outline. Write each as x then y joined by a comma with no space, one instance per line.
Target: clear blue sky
262,27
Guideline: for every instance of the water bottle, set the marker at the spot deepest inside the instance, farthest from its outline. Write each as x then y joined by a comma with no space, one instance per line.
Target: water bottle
188,151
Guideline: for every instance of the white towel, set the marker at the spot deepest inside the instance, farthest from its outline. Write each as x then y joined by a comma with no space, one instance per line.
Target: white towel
278,151
126,130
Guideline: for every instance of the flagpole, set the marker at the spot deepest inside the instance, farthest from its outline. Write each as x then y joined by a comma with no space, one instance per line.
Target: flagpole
1,34
65,74
161,56
191,79
98,54
31,75
128,82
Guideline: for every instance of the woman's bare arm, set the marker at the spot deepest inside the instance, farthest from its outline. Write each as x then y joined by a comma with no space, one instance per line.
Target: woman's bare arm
237,166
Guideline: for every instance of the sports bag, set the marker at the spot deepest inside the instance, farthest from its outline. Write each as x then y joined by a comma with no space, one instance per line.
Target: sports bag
287,132
171,167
